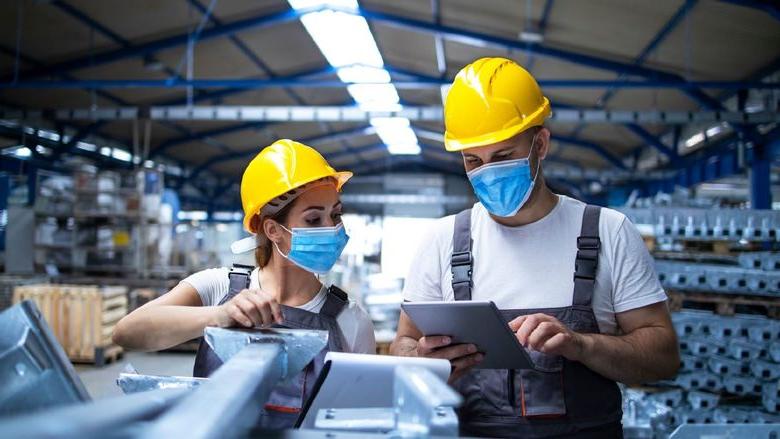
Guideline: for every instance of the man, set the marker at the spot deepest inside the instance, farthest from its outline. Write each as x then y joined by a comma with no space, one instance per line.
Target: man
575,284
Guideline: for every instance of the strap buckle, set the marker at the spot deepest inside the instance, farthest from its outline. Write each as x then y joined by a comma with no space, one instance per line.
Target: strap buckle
588,243
461,263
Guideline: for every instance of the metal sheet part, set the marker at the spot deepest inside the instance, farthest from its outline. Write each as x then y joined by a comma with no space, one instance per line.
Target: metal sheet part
111,417
424,403
229,403
301,346
372,420
726,431
134,383
34,371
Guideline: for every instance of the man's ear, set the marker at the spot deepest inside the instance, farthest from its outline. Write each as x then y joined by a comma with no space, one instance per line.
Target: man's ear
543,142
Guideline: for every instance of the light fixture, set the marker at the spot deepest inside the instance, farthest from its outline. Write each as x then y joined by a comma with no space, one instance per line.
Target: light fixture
23,152
531,36
694,140
346,42
714,131
121,154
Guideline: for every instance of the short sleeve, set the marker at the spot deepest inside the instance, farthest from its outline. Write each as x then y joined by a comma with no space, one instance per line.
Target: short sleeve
635,282
365,341
423,281
211,284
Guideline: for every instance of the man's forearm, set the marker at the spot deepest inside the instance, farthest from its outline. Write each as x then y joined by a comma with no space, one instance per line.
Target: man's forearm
404,347
647,354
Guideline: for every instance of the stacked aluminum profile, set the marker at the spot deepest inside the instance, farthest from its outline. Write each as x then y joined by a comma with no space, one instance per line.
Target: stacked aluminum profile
709,224
686,276
738,357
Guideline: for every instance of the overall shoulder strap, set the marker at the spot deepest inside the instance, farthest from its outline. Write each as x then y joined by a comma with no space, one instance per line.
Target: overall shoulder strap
587,261
239,280
335,302
461,260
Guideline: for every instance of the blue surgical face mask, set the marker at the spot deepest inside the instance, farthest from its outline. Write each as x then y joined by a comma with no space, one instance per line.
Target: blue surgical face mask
504,187
316,249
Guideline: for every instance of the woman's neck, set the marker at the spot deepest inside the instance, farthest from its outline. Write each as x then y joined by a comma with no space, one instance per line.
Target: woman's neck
289,284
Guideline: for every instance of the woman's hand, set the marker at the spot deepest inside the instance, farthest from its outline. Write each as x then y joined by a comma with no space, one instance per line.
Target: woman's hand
249,308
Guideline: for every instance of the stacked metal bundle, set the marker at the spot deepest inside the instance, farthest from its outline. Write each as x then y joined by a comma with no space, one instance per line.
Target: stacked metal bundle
721,357
709,224
685,276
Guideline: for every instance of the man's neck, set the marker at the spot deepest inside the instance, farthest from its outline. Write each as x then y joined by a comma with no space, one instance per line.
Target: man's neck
541,203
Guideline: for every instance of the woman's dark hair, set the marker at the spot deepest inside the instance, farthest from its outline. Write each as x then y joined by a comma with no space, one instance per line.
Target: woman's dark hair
263,251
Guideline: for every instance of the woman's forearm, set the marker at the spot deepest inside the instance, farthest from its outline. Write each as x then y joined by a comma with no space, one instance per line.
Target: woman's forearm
153,328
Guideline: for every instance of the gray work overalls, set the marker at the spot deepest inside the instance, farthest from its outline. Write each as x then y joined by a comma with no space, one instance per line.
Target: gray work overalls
286,401
560,397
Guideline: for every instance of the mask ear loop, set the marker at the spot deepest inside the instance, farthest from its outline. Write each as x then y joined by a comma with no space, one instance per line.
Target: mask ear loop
538,159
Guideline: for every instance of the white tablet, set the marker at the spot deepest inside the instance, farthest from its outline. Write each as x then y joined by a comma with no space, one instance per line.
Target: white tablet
479,323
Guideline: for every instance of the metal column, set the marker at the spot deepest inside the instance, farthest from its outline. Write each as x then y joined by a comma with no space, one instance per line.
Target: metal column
760,182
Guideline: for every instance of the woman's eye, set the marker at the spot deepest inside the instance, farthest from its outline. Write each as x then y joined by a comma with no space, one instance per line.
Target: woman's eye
313,221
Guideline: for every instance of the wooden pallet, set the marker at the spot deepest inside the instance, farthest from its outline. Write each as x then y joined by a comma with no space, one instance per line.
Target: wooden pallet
724,304
82,317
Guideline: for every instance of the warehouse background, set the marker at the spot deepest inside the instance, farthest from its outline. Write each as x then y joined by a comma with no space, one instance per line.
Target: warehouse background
125,128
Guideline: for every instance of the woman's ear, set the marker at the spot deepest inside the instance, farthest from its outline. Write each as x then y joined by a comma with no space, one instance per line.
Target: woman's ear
272,230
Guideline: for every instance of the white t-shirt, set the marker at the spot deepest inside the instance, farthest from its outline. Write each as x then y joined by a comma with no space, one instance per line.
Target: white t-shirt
213,284
532,266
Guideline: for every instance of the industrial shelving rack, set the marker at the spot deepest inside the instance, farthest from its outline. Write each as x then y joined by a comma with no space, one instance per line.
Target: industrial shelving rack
98,223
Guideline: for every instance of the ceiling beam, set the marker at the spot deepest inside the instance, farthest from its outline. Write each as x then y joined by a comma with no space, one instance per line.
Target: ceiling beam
768,6
322,138
242,84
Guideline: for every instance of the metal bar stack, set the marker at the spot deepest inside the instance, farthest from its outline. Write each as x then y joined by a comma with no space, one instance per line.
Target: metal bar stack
722,358
709,224
686,276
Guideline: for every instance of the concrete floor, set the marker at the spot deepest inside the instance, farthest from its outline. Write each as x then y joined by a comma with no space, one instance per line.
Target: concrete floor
101,382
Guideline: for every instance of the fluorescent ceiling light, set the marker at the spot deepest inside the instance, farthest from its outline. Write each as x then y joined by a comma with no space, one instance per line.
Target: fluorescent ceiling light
406,149
23,152
694,139
106,151
531,36
714,131
121,154
86,146
375,97
344,39
49,135
303,4
363,74
397,134
347,43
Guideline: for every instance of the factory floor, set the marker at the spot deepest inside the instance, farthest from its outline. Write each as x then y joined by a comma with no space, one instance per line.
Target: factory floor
101,381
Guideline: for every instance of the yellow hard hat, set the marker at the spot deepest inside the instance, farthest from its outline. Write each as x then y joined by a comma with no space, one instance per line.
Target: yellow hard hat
491,99
280,168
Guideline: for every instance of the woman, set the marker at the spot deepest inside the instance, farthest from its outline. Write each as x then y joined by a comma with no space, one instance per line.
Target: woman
290,197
